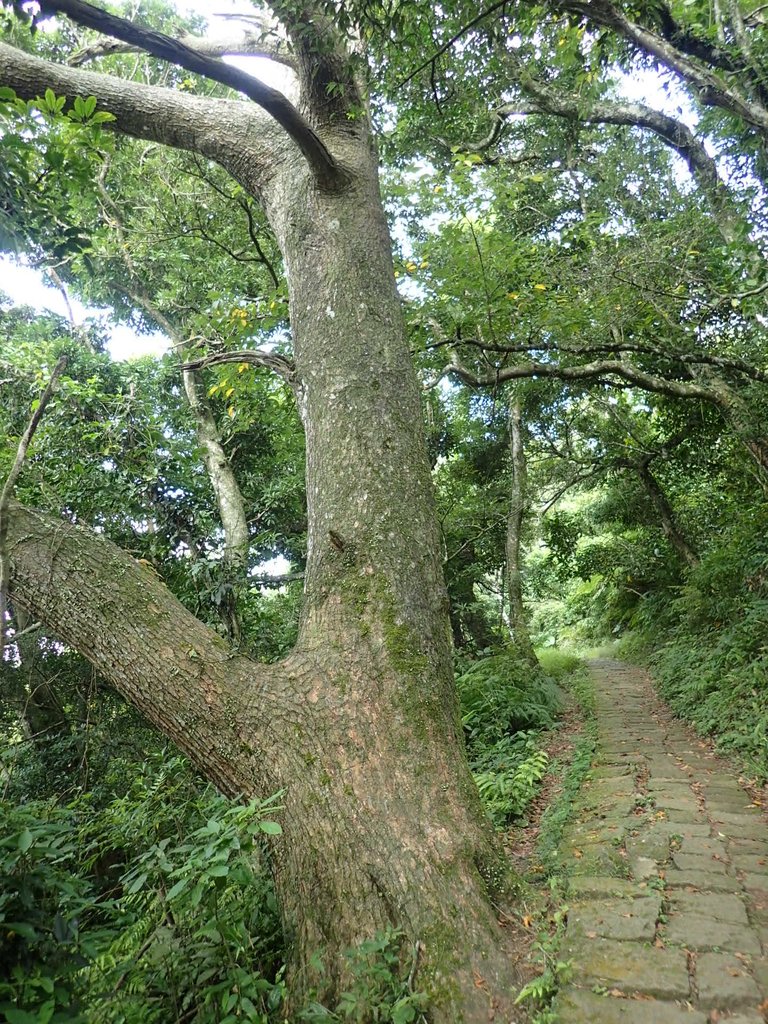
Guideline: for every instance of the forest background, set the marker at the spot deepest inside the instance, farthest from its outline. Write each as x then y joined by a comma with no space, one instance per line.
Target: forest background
581,277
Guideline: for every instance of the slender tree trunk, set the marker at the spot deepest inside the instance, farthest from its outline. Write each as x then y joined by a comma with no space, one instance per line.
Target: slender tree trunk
518,501
669,523
229,500
226,490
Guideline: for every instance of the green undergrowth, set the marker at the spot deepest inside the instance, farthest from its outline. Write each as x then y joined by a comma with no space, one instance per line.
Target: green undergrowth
719,682
540,993
706,645
149,908
159,906
506,706
573,773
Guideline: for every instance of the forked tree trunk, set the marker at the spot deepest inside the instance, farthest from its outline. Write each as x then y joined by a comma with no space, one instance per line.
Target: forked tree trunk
359,726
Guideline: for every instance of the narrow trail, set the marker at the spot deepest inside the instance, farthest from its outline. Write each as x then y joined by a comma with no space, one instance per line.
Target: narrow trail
668,865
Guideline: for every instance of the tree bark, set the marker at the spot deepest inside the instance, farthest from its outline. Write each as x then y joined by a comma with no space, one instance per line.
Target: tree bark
669,524
518,501
359,726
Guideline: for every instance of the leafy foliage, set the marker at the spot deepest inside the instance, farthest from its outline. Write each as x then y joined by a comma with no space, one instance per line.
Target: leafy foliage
149,907
381,988
505,704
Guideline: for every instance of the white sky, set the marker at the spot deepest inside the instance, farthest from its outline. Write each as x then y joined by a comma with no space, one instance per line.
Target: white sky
27,287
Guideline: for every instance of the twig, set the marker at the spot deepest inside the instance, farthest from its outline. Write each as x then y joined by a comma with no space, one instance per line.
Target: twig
454,39
22,632
10,483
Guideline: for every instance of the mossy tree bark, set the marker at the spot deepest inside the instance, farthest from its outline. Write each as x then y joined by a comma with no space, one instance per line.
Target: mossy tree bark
359,726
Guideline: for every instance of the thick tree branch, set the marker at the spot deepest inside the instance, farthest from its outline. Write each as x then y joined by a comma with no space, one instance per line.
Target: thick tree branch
587,371
675,356
239,136
255,357
711,89
157,44
249,44
179,673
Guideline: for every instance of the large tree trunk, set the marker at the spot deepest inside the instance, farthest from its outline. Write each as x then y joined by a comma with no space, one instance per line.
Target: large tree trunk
518,500
359,726
393,833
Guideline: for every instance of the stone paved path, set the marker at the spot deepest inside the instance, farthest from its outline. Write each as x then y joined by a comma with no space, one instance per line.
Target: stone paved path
668,865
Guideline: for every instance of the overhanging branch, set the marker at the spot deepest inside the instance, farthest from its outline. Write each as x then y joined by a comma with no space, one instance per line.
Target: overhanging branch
597,370
157,44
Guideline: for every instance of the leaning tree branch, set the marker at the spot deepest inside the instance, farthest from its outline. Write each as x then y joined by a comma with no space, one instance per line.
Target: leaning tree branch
240,137
319,158
10,483
249,44
175,670
284,367
687,359
712,90
545,99
597,370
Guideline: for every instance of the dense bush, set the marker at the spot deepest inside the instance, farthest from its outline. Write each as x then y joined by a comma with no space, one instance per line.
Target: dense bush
506,703
153,908
713,665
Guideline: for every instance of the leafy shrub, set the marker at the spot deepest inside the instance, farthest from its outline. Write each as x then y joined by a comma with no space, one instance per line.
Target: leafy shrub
505,703
503,694
508,775
196,932
380,988
154,907
44,906
556,663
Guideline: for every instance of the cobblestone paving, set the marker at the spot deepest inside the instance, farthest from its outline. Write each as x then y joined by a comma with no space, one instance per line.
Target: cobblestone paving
668,865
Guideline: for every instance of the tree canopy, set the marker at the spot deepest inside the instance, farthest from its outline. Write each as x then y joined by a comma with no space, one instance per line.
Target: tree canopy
464,331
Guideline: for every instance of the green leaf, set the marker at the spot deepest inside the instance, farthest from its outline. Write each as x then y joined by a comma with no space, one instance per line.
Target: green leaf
25,840
178,888
137,883
26,931
271,828
16,1016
